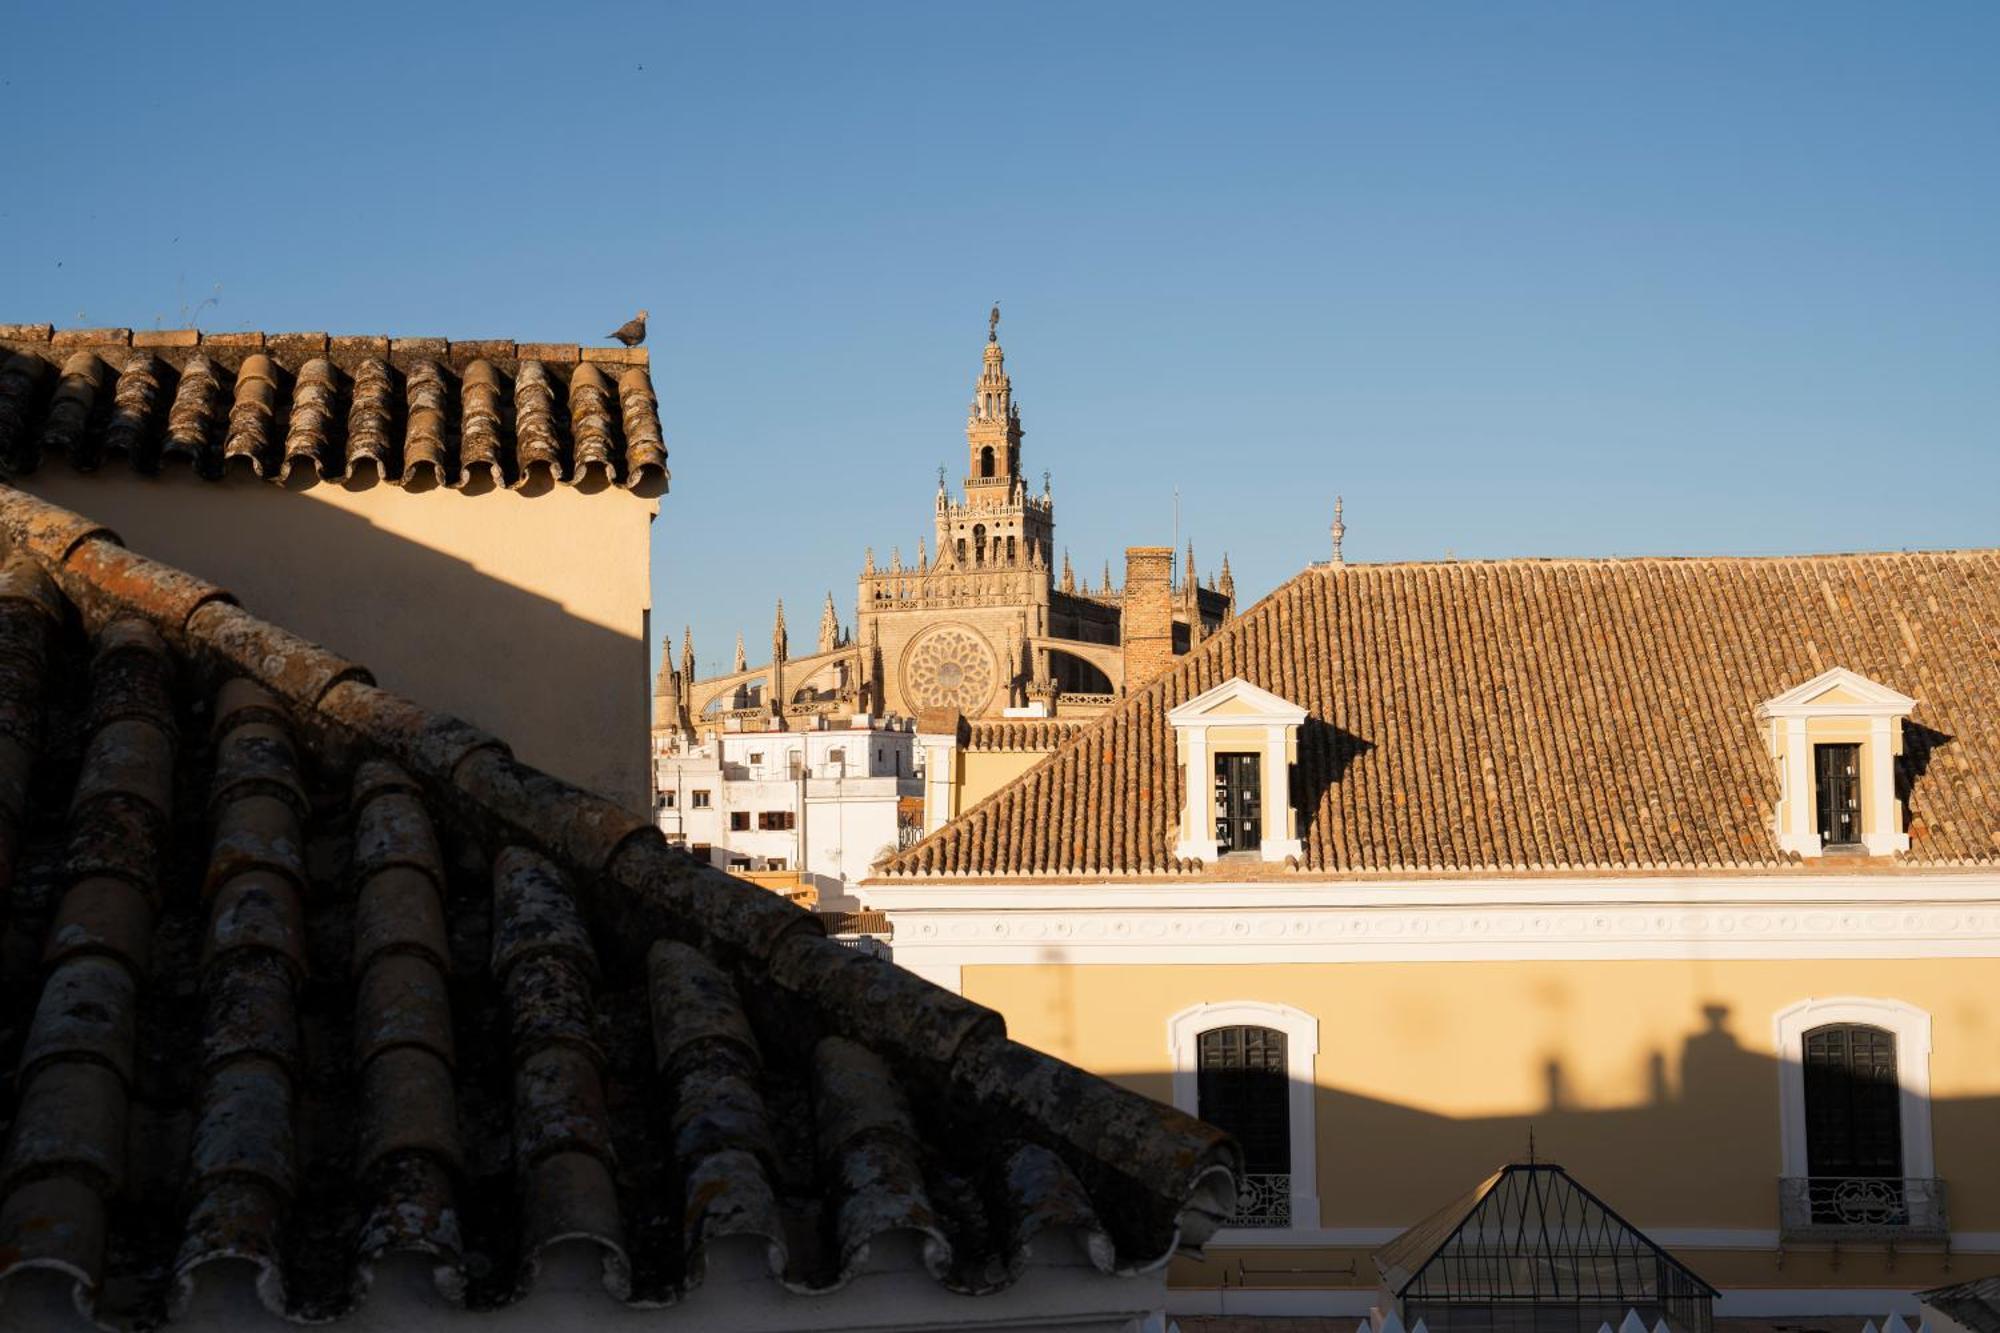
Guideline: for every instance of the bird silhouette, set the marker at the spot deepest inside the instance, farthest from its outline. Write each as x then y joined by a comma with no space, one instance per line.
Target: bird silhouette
632,332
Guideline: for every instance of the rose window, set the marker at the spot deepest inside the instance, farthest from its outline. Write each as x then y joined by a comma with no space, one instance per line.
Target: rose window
949,666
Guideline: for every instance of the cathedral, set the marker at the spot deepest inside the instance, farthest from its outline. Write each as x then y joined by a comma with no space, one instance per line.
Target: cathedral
985,623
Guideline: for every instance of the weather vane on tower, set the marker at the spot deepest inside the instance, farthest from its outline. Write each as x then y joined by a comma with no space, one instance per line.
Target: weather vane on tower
993,324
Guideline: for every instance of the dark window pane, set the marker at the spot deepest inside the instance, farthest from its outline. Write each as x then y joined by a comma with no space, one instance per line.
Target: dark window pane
1854,1122
1241,1086
1837,775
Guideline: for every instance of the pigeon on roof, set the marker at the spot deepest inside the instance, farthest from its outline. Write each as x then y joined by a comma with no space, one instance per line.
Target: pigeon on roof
632,332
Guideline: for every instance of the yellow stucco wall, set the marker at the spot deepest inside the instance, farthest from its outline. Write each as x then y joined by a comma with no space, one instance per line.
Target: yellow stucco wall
1655,1082
983,772
524,614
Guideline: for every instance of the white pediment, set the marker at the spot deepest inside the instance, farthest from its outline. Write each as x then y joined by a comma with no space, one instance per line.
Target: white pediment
1237,701
1838,692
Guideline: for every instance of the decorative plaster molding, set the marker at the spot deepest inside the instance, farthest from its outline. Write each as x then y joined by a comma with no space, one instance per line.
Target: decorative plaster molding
1878,928
1568,892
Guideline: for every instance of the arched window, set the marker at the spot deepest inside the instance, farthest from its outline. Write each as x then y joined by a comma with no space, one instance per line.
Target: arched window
979,538
1248,1068
986,461
1010,551
1854,1094
961,550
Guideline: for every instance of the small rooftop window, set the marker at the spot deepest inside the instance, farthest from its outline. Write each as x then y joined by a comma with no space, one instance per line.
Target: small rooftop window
1836,739
1237,744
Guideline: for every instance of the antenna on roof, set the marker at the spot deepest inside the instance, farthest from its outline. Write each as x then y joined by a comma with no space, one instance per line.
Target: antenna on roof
1531,1145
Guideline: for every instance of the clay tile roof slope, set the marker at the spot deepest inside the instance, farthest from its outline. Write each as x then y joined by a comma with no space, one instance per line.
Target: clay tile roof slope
414,412
299,978
1535,716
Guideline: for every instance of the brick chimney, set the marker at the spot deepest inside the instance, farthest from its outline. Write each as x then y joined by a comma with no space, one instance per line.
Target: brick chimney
1147,624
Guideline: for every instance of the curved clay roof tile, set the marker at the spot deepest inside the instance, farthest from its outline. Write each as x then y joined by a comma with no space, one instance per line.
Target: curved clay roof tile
64,429
191,422
428,395
591,424
250,416
135,406
20,380
645,445
308,439
368,418
535,440
482,438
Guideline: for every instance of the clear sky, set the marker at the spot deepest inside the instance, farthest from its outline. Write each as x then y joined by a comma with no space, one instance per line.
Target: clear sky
1515,278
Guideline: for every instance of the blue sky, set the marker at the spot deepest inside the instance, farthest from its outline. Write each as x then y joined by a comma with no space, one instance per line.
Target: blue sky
1516,279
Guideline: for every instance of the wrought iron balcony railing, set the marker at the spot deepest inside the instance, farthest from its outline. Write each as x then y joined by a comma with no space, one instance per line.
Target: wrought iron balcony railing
1861,1208
1262,1201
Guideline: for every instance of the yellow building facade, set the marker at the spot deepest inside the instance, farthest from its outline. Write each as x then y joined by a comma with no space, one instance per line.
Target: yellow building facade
420,503
1684,874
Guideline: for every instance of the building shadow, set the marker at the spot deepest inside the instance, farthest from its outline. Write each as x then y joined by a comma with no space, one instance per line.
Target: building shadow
1920,743
1693,1159
1325,752
567,694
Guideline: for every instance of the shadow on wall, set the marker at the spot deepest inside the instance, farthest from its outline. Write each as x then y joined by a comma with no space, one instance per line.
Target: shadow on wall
1701,1150
567,695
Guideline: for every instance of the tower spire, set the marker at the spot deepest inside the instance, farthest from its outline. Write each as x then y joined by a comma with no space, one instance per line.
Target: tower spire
993,425
829,626
742,662
687,654
780,650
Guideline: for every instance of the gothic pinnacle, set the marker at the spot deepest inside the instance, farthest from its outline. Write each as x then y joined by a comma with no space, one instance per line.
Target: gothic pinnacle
829,625
780,641
742,662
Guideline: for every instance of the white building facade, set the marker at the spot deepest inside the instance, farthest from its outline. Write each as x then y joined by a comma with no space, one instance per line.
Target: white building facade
827,802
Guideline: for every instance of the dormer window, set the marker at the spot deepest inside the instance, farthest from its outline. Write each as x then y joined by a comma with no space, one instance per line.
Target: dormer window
1836,739
1236,745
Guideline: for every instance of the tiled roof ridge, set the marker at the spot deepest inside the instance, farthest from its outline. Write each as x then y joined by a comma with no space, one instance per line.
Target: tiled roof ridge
905,863
1584,561
1013,734
641,890
305,345
414,412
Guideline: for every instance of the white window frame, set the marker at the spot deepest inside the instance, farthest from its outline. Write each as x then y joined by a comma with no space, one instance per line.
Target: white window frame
1255,709
1787,716
1301,1031
1911,1027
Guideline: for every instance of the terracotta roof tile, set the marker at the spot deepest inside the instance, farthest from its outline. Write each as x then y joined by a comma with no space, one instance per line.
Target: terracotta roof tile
1536,716
1022,734
328,978
409,411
